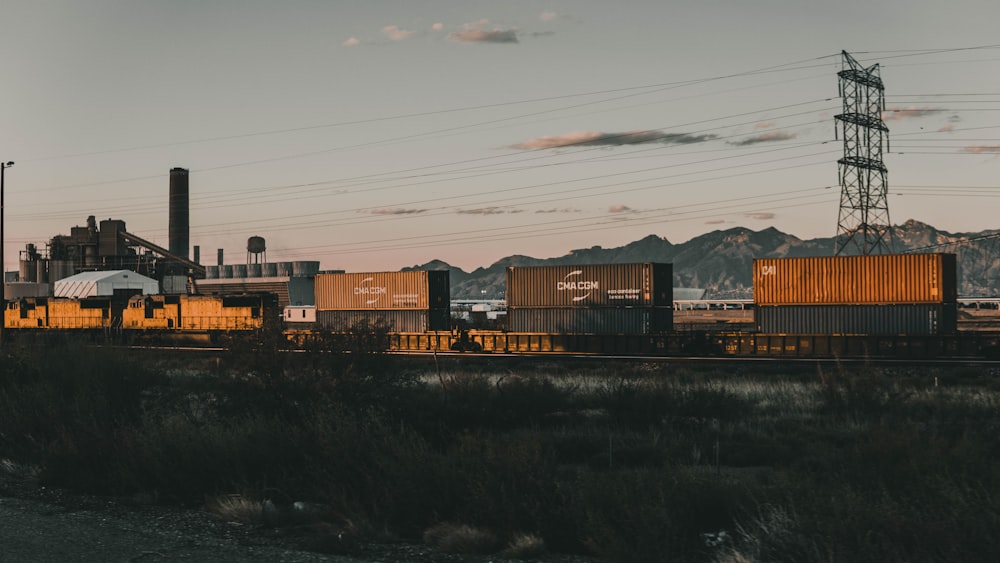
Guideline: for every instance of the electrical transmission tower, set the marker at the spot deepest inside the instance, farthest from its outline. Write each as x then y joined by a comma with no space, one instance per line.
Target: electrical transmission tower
863,225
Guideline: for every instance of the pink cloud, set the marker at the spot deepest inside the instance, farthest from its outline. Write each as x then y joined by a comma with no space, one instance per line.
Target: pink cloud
769,137
396,33
597,138
896,114
352,42
982,149
395,211
489,211
484,36
621,209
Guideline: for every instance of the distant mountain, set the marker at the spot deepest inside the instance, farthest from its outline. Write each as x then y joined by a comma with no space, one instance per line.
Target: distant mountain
721,261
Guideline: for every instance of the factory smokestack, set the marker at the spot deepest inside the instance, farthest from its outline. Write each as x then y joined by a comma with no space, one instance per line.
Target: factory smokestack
179,224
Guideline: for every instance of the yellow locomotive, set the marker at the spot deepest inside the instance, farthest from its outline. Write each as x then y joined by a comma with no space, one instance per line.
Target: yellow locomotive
160,314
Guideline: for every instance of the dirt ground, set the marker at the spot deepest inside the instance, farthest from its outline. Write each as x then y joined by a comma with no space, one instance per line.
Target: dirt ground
40,525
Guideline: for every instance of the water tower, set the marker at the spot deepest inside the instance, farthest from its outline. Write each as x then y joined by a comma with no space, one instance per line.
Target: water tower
256,250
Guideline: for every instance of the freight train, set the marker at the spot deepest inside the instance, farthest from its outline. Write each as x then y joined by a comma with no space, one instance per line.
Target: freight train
142,318
867,306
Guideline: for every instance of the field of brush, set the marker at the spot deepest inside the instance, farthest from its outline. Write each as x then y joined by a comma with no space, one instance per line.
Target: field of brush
622,461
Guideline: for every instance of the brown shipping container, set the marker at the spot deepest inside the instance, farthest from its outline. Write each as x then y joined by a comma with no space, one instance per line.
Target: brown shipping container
593,320
855,280
383,291
924,319
595,285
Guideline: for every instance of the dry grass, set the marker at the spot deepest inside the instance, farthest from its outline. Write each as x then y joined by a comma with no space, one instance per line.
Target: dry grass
461,538
524,546
237,508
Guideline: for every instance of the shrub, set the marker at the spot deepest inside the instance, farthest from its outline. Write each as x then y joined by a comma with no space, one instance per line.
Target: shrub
461,538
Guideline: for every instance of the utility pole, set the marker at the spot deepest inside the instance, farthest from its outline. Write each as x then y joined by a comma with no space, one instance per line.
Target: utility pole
3,271
863,224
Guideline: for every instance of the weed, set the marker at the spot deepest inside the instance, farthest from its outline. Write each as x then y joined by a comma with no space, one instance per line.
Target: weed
461,538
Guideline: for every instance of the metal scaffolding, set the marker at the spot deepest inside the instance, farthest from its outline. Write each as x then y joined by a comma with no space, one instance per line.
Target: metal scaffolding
863,224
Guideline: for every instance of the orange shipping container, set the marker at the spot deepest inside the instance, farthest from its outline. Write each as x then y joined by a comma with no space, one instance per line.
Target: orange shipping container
853,280
409,290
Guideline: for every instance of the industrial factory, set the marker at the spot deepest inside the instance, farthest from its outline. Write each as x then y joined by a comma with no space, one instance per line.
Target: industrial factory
103,258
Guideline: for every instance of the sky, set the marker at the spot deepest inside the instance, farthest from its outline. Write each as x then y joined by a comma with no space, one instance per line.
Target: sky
373,135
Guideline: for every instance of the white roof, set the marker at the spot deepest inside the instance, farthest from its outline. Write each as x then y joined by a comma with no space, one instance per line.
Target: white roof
92,284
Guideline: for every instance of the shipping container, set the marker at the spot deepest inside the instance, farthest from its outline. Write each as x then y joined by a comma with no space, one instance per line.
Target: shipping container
594,320
594,285
401,320
383,291
854,280
931,318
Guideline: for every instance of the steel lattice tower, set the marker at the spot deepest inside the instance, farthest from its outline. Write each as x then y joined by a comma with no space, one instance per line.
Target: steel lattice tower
863,225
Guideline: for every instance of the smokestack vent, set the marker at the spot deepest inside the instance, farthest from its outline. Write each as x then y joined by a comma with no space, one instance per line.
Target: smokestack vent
179,222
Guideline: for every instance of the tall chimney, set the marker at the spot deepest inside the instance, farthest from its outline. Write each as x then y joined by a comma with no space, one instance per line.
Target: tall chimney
179,223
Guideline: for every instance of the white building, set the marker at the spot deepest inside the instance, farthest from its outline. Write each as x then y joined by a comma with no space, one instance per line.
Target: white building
93,284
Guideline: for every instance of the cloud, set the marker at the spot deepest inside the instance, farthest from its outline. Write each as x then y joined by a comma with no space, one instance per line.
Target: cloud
548,16
564,210
761,216
352,42
484,36
982,149
489,211
596,138
437,27
769,137
396,34
764,125
395,211
715,222
621,209
896,114
946,128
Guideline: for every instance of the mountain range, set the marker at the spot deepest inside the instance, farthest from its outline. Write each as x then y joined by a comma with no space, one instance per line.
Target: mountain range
721,261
